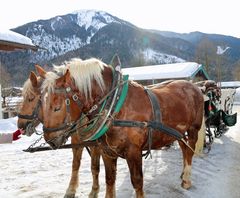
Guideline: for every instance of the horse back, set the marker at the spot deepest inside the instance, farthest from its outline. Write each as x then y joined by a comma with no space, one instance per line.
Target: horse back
179,99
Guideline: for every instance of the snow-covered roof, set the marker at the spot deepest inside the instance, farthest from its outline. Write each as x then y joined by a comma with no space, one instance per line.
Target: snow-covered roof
10,40
230,84
166,71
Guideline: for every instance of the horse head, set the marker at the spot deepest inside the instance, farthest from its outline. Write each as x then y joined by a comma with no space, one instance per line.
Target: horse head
30,114
75,93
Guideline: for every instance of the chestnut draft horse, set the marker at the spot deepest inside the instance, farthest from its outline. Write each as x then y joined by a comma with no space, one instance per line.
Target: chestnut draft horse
129,115
30,115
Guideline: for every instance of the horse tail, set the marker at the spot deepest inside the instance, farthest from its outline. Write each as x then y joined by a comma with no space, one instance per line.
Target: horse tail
201,138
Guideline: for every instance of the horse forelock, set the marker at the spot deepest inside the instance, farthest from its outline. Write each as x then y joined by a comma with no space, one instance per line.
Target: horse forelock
48,84
81,71
84,71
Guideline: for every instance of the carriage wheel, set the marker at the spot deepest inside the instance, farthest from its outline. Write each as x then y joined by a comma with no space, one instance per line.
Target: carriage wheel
217,132
209,135
208,140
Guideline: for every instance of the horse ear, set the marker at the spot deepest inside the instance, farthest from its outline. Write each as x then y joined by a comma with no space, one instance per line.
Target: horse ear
40,71
63,79
115,61
33,79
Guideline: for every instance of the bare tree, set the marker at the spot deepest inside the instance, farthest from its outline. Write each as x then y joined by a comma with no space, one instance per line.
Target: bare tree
206,54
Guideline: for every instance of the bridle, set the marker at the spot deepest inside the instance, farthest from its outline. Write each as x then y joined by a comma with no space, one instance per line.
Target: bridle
104,107
33,118
34,115
67,122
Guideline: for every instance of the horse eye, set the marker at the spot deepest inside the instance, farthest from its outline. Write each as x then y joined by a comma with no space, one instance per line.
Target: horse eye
57,109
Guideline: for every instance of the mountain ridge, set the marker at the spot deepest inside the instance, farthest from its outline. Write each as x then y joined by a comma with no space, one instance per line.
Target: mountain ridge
92,33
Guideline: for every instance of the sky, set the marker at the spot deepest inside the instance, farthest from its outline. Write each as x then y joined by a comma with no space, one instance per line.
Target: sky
182,16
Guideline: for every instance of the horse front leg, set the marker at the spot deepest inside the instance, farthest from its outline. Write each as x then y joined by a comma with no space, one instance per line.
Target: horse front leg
110,171
95,168
73,184
134,160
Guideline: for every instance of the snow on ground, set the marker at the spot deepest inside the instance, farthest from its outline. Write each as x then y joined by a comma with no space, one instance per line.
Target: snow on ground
46,174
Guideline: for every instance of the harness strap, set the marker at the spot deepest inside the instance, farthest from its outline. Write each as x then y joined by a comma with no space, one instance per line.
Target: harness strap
155,124
168,130
157,117
155,105
152,124
34,114
129,123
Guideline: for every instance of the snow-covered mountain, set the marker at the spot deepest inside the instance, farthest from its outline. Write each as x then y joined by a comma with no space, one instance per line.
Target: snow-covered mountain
61,34
92,33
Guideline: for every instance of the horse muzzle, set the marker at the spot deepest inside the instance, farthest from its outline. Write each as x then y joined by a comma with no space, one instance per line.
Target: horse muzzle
27,128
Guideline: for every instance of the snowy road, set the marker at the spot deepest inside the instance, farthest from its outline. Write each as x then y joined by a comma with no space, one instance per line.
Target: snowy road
46,174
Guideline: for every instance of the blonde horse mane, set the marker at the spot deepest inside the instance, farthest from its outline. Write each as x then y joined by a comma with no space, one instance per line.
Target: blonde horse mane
81,71
27,88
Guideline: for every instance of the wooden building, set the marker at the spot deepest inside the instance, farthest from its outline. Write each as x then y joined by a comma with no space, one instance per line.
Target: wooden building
11,41
157,73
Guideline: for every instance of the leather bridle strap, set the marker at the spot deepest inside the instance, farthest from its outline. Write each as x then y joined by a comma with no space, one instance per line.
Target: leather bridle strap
34,114
66,91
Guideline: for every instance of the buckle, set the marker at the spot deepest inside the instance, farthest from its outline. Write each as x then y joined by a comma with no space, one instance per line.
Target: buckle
67,101
75,97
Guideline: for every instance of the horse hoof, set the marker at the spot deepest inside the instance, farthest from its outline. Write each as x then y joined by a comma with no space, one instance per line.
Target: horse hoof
186,184
69,196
